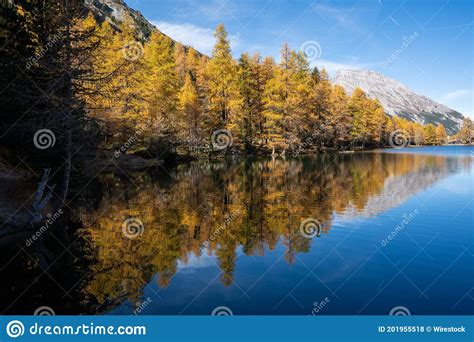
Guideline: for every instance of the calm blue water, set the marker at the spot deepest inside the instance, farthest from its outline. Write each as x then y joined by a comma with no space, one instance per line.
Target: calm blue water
426,266
392,229
448,150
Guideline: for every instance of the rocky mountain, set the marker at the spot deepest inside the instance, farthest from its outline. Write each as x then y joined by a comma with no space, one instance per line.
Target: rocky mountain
396,98
116,12
399,100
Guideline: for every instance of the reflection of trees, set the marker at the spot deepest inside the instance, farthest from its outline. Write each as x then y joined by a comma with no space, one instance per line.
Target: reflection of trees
267,200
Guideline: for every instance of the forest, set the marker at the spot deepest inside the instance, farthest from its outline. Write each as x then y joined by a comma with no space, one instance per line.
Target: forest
76,88
88,105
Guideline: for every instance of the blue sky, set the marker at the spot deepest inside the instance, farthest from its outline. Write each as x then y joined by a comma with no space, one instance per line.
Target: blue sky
426,44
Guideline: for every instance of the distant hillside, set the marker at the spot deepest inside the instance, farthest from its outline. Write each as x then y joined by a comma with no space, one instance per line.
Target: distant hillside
398,100
116,12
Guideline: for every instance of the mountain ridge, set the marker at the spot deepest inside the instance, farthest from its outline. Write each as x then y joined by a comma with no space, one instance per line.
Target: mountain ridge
398,100
116,12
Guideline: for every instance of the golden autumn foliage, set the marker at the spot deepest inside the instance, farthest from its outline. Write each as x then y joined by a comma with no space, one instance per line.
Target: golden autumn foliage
152,94
173,93
209,210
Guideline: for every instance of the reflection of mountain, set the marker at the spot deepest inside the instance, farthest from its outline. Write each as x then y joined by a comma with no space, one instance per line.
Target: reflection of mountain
207,213
215,209
398,189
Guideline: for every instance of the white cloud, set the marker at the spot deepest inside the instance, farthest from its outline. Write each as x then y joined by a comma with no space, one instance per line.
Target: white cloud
200,38
457,94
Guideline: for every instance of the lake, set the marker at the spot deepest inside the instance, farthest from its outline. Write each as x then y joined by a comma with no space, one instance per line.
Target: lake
332,234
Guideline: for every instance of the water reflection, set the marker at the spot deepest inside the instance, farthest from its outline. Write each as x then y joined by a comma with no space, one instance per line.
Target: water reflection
214,208
206,213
